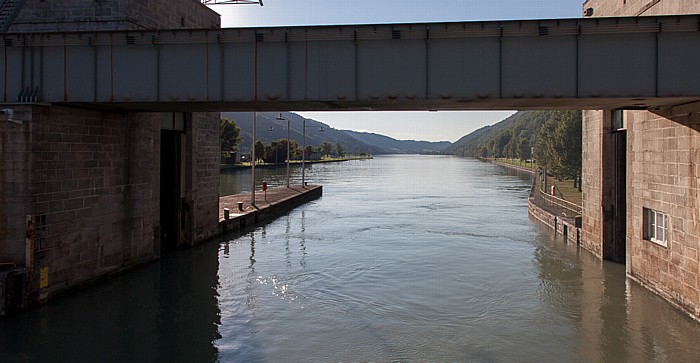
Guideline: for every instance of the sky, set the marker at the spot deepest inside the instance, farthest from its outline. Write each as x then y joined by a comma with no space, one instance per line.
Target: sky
404,125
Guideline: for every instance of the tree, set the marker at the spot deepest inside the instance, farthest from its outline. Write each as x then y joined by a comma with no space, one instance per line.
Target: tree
326,148
259,150
229,135
524,150
308,151
340,150
558,144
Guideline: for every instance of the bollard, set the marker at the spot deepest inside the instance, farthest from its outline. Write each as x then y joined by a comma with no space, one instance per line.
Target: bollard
227,213
240,206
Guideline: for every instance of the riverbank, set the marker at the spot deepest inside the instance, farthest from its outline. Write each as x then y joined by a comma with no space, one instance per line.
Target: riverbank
561,224
512,166
236,211
225,167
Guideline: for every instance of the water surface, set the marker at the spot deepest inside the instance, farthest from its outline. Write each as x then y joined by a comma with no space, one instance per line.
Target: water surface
404,258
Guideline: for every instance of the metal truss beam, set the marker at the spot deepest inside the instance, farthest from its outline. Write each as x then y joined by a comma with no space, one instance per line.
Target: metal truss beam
600,63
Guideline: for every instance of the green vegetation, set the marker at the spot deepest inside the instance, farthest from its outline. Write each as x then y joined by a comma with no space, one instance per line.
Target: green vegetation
276,152
511,138
564,190
558,145
555,137
230,135
522,163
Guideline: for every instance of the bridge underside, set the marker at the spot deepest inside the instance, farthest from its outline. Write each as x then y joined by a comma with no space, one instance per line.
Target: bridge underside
392,105
596,63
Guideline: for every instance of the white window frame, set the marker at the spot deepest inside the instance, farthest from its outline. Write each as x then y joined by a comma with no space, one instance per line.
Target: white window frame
656,226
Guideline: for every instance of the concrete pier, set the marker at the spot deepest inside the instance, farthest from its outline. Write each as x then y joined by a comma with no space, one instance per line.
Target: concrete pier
270,204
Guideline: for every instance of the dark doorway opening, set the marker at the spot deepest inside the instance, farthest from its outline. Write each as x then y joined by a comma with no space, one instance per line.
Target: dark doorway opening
170,172
615,245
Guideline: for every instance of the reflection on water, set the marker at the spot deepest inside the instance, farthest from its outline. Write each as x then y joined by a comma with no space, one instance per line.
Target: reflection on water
165,311
238,181
403,259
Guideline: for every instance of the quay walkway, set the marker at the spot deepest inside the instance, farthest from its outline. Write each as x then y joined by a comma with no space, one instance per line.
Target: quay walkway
268,205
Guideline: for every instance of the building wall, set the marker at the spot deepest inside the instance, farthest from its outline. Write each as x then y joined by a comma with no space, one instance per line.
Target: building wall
204,151
92,199
92,15
15,193
85,184
641,7
592,182
662,174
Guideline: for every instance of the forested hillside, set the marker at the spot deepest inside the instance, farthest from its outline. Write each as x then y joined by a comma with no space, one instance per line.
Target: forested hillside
270,129
555,137
389,145
512,137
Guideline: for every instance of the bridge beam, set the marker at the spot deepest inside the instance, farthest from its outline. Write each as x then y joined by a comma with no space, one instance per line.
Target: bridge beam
596,63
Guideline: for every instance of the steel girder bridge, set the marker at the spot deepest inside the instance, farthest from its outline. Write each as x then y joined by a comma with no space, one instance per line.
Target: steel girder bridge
590,63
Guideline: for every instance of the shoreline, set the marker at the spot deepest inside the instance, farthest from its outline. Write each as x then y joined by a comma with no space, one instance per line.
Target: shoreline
562,225
229,167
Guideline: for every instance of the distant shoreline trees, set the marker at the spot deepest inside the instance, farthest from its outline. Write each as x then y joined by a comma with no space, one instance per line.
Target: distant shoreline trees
554,136
558,145
276,151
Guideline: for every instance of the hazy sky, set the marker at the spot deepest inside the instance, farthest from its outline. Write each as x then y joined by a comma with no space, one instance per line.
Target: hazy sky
431,126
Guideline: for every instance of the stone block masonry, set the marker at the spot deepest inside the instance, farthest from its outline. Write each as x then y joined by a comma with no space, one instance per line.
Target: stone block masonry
206,153
15,156
86,184
91,15
80,189
91,195
663,149
275,202
664,175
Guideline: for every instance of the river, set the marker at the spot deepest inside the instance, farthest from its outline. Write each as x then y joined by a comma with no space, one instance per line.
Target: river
404,258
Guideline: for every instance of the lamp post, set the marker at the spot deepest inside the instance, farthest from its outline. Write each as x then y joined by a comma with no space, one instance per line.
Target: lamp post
252,162
303,157
281,119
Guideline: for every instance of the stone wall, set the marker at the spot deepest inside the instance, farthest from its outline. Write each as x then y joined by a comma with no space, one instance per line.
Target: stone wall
15,181
566,227
204,153
92,15
90,183
664,175
92,199
85,185
591,180
172,14
641,7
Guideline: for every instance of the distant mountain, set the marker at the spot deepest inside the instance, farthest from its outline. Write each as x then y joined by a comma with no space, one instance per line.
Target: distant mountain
389,145
270,129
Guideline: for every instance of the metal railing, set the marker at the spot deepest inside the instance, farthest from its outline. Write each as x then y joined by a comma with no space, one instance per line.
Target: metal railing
8,12
561,203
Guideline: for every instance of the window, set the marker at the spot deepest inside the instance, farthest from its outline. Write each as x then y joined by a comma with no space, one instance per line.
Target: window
656,227
618,120
173,121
